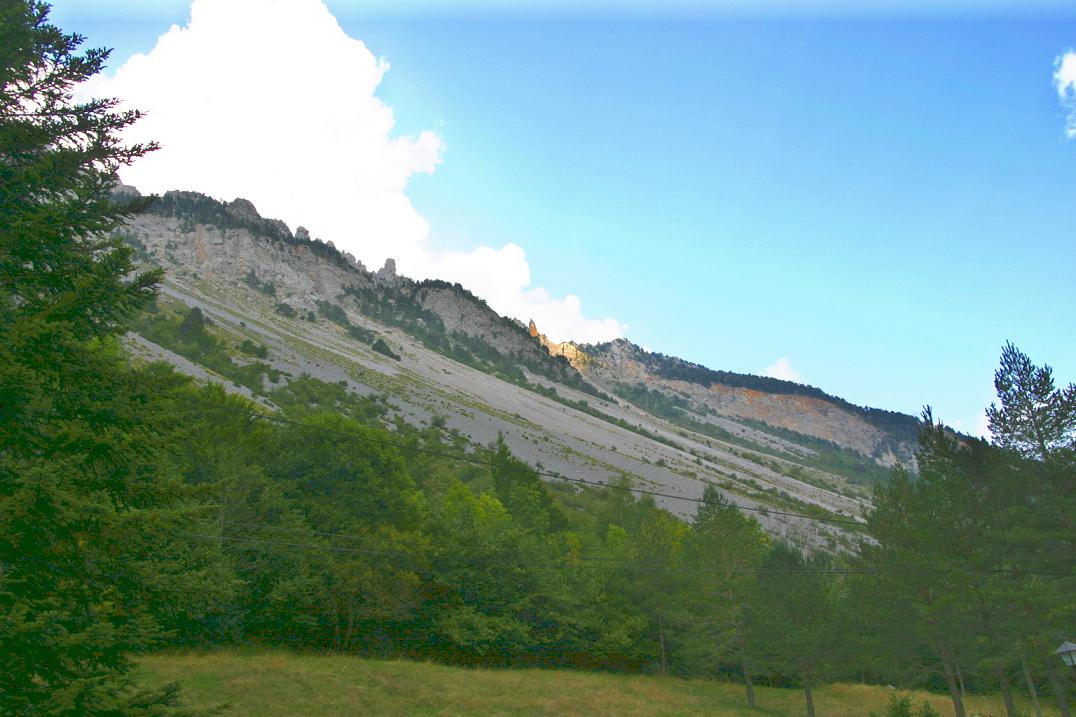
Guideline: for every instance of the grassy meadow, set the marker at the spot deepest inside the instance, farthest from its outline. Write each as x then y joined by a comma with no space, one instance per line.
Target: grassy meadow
282,684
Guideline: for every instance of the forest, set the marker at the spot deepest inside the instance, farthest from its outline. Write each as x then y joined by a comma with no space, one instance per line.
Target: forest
142,511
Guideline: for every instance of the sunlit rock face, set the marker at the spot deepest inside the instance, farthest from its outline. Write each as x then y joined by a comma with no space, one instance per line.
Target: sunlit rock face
568,349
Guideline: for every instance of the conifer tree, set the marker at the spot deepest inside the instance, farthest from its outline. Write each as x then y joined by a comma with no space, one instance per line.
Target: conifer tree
792,616
83,505
723,548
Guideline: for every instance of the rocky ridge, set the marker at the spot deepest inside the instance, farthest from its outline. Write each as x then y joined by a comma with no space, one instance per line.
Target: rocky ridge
886,437
233,241
489,375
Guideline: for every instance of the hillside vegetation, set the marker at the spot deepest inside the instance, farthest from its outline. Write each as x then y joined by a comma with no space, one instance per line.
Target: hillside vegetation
281,684
142,509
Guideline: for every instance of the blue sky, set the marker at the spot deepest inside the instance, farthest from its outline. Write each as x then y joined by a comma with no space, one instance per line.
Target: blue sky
881,198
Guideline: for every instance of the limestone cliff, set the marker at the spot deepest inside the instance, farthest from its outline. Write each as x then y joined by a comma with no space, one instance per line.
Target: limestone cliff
191,233
885,436
230,241
568,349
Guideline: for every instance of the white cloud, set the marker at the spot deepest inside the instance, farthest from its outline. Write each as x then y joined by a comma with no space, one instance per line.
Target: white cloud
502,277
782,369
272,101
1065,82
978,426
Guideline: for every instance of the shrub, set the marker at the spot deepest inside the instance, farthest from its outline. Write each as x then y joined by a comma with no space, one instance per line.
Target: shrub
333,313
382,348
927,710
252,349
360,334
899,707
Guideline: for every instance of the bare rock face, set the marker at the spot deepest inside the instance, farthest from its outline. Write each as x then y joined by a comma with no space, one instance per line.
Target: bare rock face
242,209
387,273
820,416
124,192
194,235
351,260
186,231
568,349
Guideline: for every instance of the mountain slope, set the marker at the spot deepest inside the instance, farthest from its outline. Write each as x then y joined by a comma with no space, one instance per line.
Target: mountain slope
439,354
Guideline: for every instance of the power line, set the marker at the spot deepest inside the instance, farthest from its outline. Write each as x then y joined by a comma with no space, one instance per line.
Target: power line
489,464
595,563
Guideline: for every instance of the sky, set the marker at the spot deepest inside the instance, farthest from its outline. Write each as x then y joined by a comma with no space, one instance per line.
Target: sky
866,197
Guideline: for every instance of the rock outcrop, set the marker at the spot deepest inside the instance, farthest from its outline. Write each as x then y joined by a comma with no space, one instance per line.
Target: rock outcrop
189,232
568,349
885,436
387,273
231,241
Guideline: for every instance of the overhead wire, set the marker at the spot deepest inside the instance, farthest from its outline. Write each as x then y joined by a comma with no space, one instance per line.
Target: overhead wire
591,563
546,474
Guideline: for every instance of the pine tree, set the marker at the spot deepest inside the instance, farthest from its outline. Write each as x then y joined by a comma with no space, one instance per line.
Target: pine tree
792,616
1035,419
84,506
722,549
1036,425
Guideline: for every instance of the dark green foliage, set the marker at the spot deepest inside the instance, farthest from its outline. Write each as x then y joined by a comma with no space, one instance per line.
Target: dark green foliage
381,347
89,505
722,548
333,313
960,539
286,310
1035,419
403,307
252,349
138,511
362,335
585,407
522,492
927,710
191,338
131,239
654,401
792,616
677,410
431,559
338,316
899,707
304,394
902,707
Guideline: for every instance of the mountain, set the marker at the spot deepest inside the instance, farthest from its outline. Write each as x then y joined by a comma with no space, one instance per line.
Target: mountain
783,406
283,305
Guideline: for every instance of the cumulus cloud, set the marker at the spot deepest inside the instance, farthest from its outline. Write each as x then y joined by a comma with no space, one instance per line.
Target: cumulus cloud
1065,82
272,101
782,369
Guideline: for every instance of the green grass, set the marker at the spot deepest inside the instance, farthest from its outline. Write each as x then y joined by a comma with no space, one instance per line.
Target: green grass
279,684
